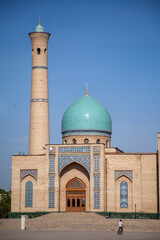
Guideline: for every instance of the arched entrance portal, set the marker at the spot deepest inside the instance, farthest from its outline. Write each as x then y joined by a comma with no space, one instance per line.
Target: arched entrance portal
75,196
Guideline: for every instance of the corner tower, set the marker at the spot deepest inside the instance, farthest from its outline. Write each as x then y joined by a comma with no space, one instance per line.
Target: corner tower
39,108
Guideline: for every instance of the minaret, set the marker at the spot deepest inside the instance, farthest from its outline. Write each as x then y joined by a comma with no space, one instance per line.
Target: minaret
39,110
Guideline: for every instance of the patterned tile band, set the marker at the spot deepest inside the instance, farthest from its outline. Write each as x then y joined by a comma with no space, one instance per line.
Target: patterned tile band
39,100
73,149
39,67
25,172
119,173
64,160
96,199
96,149
51,198
96,162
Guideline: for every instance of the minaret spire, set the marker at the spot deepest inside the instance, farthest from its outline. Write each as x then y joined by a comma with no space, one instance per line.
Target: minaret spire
86,88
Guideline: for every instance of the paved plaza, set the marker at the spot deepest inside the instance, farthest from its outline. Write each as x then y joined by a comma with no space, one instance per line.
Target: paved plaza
78,235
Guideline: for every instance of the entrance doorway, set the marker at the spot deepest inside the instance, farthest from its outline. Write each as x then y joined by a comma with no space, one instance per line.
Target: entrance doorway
75,196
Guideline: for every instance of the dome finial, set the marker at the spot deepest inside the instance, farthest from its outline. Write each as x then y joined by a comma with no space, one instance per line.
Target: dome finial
39,21
86,88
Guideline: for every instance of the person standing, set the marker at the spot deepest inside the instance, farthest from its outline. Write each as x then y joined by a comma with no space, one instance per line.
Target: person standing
120,224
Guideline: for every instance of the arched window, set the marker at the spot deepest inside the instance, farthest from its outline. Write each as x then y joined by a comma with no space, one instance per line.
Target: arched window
68,202
38,51
29,194
65,141
45,51
73,202
124,194
86,141
32,51
74,141
107,143
98,141
78,202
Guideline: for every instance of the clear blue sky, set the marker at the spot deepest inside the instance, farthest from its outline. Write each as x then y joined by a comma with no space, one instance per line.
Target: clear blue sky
114,46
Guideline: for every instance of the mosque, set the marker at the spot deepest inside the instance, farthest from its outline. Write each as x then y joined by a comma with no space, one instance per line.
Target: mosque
84,173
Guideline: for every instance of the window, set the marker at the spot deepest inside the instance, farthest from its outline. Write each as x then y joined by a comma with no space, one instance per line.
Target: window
29,194
83,202
74,141
107,143
123,194
65,141
78,202
32,51
73,202
68,202
98,141
45,51
38,51
86,141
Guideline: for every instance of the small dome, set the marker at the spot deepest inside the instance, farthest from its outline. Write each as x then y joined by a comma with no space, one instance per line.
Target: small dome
39,28
86,116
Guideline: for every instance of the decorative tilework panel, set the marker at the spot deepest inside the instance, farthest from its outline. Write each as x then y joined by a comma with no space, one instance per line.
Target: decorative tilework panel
96,199
119,173
51,180
73,149
51,163
28,194
96,162
96,149
52,149
25,172
97,181
124,194
51,198
39,100
63,160
39,67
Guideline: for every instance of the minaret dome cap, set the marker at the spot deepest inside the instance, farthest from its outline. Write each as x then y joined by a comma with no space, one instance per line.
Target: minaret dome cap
39,28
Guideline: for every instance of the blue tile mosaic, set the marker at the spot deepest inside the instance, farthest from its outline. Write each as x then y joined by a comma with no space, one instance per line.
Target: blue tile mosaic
51,163
26,172
97,181
51,180
96,149
39,67
96,199
51,198
73,149
124,194
63,160
119,173
29,194
96,162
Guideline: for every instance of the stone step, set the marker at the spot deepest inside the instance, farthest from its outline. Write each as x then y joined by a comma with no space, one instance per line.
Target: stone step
80,221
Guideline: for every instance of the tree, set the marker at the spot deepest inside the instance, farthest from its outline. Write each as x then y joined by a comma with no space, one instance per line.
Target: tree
5,203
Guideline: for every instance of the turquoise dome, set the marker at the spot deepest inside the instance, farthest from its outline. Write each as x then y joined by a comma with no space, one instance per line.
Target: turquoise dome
39,28
86,116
